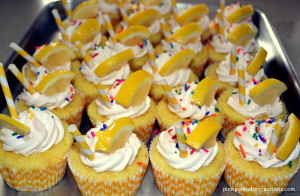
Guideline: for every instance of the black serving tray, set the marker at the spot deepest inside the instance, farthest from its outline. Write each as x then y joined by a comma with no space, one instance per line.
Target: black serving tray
44,29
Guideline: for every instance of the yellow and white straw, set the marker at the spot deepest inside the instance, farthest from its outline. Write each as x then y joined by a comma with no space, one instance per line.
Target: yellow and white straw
222,6
103,95
221,24
167,34
24,54
123,11
232,62
110,28
181,140
81,141
274,140
171,97
7,93
152,58
85,54
241,84
60,25
67,7
13,68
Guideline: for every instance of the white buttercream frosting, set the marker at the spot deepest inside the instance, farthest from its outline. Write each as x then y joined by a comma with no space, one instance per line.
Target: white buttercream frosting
254,139
45,131
175,47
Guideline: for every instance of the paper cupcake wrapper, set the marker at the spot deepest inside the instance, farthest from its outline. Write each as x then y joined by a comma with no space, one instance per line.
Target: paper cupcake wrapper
244,182
198,69
128,186
228,125
36,179
75,117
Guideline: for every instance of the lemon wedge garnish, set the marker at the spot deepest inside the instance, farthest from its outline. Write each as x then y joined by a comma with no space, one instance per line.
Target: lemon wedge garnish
54,54
205,92
86,10
193,14
267,91
204,135
135,89
115,136
133,35
240,14
150,2
86,32
55,82
242,34
144,17
188,33
289,137
14,125
114,63
257,62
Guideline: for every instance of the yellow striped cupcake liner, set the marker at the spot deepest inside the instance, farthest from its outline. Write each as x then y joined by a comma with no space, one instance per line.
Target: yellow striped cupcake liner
36,179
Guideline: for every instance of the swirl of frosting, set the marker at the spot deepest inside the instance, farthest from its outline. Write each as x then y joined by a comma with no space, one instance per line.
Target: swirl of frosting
188,109
117,110
251,109
175,47
178,77
221,46
115,161
256,148
196,158
223,72
45,131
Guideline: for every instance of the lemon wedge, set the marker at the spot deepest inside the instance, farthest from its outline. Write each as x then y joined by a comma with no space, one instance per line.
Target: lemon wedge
54,54
55,82
180,60
204,135
240,14
115,136
144,17
267,91
188,33
114,63
86,32
133,35
135,89
242,34
14,125
289,137
205,92
86,10
151,2
193,14
257,62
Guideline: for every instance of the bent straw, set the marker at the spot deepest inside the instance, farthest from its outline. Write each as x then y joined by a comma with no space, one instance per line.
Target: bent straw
171,97
123,11
24,54
60,25
67,7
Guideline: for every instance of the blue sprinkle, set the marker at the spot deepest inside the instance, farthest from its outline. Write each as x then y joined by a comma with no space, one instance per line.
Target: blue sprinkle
261,139
260,122
67,99
192,92
44,108
199,107
172,32
145,43
172,46
19,137
18,99
217,109
207,113
103,128
80,68
157,56
38,73
111,101
177,146
183,122
260,154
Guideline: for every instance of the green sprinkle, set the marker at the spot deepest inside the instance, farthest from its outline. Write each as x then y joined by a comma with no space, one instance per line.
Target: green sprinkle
32,107
184,137
234,92
237,59
290,164
14,134
217,109
249,101
255,136
175,152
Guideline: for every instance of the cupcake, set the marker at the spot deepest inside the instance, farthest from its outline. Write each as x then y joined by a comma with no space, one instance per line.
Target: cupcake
37,160
127,98
118,163
251,145
173,67
187,107
187,167
262,102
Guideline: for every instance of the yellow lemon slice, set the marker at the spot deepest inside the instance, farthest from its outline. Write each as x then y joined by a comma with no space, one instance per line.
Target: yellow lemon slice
289,138
54,54
180,60
257,62
193,14
240,14
55,82
267,91
151,2
144,17
115,136
14,125
86,10
135,89
188,33
86,32
242,34
205,92
114,63
133,35
204,135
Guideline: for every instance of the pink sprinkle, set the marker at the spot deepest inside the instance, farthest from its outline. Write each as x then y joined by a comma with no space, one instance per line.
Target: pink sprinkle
37,47
72,95
188,130
181,48
156,131
174,137
192,151
170,130
245,129
205,150
93,134
180,99
96,54
251,122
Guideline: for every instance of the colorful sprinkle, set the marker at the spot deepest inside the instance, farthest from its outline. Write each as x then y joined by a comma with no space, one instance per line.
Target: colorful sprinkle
80,68
261,138
139,163
249,101
67,99
245,129
174,137
104,127
156,132
177,146
290,164
238,133
43,108
256,144
217,109
234,92
19,137
207,113
14,134
205,150
170,130
93,134
188,130
192,151
183,109
94,55
242,151
31,116
33,107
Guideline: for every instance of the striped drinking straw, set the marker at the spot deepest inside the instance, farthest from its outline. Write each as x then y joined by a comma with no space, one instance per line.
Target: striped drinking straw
60,25
152,57
241,84
67,7
181,140
24,54
13,68
221,24
103,95
274,140
167,34
81,141
171,97
110,28
85,54
123,11
7,93
232,62
222,6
